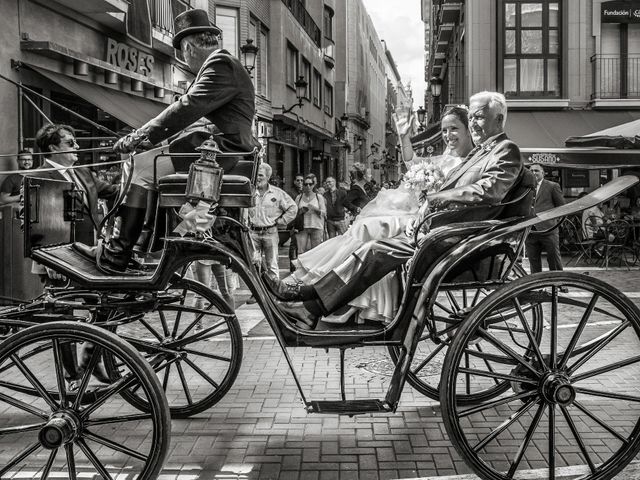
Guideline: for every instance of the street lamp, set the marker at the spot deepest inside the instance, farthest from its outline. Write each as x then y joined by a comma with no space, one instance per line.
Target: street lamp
344,120
421,112
301,94
358,141
435,85
249,53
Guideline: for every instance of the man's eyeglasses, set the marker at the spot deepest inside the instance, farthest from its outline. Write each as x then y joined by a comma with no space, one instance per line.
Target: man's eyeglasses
70,143
307,184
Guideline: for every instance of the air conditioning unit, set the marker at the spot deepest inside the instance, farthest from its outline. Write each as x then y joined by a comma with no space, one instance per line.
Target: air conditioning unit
265,130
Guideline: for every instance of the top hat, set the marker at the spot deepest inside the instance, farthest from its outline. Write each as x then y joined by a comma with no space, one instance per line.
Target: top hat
190,22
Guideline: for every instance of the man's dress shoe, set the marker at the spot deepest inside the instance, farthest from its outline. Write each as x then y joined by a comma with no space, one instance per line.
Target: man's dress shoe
299,316
284,291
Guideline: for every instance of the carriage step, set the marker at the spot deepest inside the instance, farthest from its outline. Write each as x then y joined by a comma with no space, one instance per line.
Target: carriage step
349,407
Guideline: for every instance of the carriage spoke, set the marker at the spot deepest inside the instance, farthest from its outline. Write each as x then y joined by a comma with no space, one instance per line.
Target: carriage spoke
23,406
84,382
94,459
165,378
608,338
616,396
599,421
115,388
71,461
49,464
532,340
163,321
205,334
176,325
21,429
202,373
605,369
579,329
495,403
507,350
121,419
486,362
576,435
185,385
430,357
527,439
113,445
502,376
443,307
453,301
57,357
206,355
552,442
46,396
553,342
18,458
151,330
467,378
504,425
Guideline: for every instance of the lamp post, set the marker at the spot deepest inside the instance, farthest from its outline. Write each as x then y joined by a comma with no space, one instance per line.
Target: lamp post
421,112
344,119
249,53
435,85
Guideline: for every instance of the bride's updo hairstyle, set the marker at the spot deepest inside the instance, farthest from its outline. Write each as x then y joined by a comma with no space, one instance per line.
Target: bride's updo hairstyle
461,112
357,172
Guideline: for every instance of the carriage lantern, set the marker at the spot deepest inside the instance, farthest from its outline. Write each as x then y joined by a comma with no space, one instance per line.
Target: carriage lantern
205,175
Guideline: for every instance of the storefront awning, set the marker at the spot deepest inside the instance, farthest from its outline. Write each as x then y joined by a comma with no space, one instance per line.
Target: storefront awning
629,129
550,129
132,110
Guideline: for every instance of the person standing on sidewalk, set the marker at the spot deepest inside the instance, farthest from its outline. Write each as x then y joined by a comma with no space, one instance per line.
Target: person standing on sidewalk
548,196
335,198
273,207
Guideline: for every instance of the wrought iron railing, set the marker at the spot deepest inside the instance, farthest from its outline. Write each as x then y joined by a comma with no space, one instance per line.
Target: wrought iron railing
615,76
296,7
456,84
163,12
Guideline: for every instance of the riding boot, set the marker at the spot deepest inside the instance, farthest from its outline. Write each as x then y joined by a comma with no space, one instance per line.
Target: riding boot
117,252
144,240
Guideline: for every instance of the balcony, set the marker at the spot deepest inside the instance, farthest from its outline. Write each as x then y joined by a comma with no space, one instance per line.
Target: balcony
329,51
296,7
107,12
616,80
455,84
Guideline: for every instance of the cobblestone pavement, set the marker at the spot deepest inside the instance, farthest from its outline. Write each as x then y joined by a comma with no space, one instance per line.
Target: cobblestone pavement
261,430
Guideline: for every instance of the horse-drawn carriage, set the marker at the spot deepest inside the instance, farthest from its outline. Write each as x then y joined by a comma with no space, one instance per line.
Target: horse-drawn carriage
531,376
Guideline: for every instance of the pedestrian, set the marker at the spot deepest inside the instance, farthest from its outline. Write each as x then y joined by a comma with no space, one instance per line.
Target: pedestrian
314,210
336,212
357,196
274,207
548,196
10,188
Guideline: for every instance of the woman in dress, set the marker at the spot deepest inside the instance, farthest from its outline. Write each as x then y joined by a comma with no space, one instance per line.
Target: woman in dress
313,206
385,217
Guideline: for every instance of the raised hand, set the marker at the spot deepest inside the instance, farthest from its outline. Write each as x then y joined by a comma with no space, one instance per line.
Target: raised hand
131,142
404,119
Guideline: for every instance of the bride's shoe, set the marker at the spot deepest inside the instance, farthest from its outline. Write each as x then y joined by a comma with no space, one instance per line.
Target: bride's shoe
341,319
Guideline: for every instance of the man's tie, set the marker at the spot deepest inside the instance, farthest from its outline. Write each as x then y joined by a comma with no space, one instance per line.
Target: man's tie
79,185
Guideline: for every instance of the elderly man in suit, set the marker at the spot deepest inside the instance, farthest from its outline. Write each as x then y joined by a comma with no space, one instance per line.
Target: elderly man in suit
485,177
548,196
222,93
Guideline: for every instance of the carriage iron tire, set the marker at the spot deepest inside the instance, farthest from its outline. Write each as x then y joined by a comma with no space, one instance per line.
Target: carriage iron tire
619,459
186,409
83,332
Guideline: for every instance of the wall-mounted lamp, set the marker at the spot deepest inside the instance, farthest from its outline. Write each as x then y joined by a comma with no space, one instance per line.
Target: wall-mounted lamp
435,86
422,113
301,94
344,121
249,53
358,141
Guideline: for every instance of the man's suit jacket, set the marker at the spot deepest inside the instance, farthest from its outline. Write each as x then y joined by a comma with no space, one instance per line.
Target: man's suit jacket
223,93
549,196
94,189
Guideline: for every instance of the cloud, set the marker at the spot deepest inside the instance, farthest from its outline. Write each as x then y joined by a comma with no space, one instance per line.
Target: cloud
400,26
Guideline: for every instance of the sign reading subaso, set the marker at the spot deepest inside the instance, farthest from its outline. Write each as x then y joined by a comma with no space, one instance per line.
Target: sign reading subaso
620,12
546,158
129,58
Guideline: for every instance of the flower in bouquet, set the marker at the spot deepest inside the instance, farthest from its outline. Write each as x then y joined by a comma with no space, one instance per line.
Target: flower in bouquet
424,177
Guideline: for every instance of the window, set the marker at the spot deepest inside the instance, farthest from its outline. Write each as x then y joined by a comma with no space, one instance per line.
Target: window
292,65
263,62
328,98
531,48
317,88
327,22
227,20
306,73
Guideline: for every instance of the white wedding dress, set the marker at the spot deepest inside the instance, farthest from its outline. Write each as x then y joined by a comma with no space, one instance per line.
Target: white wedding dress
384,217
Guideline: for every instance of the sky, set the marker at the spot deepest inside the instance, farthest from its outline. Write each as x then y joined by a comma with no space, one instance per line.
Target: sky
398,23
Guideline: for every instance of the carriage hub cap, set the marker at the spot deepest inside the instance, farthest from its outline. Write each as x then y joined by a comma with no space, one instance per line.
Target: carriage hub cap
558,389
60,430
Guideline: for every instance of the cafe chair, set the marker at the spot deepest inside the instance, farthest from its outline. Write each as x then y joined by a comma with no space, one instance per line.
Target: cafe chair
574,242
614,243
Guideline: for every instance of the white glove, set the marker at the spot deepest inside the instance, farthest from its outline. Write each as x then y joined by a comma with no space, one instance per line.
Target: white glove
53,275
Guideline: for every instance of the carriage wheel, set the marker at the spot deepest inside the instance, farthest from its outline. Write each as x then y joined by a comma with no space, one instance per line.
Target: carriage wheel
50,430
195,351
452,305
574,396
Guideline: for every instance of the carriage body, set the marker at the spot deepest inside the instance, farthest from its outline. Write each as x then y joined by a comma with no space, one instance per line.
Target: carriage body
453,260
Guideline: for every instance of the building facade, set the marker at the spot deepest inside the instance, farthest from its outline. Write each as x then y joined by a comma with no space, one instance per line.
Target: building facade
567,68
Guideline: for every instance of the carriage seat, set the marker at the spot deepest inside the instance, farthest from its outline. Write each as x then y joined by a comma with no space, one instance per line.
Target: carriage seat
237,191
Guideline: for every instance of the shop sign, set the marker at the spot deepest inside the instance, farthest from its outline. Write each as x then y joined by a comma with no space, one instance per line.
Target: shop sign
544,158
620,12
130,58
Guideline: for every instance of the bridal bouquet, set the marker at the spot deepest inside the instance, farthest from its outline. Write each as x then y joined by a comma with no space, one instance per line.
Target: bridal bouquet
424,177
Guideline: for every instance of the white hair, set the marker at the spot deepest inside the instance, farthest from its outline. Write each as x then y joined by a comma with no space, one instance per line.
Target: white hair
496,101
267,169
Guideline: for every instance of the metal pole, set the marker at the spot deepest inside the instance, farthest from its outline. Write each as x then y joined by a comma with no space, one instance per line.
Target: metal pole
20,113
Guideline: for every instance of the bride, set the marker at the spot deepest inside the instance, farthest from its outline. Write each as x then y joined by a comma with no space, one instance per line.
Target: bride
386,216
